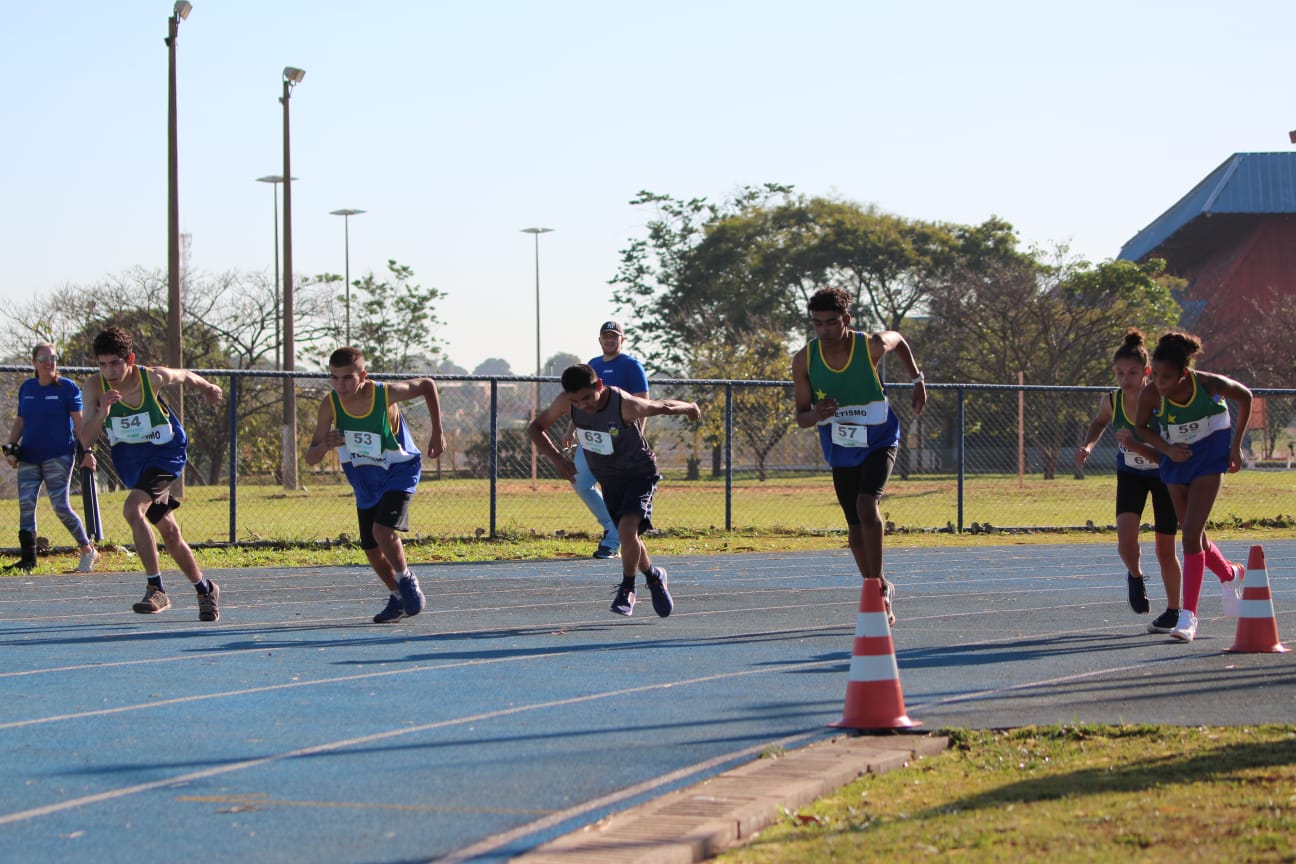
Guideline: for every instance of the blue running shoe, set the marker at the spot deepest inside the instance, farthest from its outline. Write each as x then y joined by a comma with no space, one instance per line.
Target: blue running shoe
412,599
663,605
623,602
392,612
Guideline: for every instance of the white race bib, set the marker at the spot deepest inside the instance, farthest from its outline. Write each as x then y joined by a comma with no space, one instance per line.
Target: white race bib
365,444
1135,461
872,414
594,441
849,434
1197,430
137,429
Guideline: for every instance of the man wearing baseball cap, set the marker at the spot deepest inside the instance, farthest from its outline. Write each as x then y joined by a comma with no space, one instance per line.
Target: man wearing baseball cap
615,369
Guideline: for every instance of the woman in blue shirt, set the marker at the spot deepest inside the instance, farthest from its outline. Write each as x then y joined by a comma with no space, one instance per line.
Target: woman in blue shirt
49,415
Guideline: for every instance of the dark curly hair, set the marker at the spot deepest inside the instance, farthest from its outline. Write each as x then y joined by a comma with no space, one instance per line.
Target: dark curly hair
1176,349
115,341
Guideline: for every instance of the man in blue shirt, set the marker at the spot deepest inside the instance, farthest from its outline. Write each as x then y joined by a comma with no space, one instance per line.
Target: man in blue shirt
614,369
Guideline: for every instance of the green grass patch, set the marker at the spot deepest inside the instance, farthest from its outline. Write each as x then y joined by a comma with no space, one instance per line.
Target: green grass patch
459,509
1061,794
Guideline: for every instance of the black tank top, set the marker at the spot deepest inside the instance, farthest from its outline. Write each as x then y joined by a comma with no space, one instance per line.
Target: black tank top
630,454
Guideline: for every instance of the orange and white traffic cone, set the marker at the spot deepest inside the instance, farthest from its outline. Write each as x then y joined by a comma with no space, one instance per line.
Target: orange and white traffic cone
1257,627
873,697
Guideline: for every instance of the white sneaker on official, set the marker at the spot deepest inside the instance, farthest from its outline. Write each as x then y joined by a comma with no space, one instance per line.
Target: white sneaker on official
1231,592
1186,629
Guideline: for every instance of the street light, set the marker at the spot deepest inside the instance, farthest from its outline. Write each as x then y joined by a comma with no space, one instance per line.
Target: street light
174,358
535,409
346,214
291,77
276,180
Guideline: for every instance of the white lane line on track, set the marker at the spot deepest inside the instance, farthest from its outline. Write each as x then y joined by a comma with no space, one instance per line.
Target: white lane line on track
125,791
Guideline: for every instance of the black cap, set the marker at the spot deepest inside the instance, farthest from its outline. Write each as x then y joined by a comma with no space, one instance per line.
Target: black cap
611,325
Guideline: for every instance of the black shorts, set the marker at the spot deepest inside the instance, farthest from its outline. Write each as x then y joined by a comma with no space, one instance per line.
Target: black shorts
868,478
392,510
156,483
1132,492
627,496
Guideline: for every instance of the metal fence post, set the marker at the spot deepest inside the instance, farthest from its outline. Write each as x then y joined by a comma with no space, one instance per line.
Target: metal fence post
494,451
233,458
962,439
729,412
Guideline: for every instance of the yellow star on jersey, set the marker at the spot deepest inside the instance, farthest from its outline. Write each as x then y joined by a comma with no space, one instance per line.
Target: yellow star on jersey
1170,418
820,395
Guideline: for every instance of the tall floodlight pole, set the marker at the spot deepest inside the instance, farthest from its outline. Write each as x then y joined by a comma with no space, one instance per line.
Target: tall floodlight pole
174,356
275,180
291,77
535,407
346,213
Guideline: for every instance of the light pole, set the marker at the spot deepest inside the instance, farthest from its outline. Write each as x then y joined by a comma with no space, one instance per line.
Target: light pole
291,77
346,213
535,408
275,179
174,358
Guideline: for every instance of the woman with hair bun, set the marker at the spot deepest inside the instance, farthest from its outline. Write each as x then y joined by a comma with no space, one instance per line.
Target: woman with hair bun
1138,475
1199,445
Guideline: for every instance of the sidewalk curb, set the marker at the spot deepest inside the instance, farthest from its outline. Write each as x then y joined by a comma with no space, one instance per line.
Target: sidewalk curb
699,822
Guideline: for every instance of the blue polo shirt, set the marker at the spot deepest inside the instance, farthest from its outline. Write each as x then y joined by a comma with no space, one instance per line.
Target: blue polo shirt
621,371
47,421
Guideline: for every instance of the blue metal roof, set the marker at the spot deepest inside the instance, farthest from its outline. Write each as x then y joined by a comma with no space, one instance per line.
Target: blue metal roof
1247,183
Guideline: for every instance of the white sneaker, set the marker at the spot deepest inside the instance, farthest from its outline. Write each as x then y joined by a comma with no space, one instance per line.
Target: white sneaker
1186,629
88,560
1231,592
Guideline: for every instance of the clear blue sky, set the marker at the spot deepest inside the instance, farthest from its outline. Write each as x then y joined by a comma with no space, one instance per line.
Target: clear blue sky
457,124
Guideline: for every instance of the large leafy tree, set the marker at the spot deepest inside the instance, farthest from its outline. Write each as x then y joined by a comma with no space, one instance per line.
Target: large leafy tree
660,286
397,320
1055,319
762,415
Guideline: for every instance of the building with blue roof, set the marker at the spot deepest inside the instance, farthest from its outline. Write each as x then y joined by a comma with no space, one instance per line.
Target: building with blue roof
1233,238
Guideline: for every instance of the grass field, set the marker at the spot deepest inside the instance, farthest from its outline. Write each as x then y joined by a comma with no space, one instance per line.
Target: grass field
461,509
1061,795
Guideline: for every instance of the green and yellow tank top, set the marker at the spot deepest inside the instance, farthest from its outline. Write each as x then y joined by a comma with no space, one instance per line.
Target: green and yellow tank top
369,437
145,423
1195,420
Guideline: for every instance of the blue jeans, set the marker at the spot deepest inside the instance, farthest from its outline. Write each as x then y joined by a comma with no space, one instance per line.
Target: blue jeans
587,488
56,474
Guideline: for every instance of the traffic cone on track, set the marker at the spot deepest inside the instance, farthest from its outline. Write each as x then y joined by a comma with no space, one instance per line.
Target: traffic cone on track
873,697
1257,627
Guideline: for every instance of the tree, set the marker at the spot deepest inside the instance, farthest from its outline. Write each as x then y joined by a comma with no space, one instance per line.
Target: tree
1056,322
762,416
397,320
1266,358
672,308
493,366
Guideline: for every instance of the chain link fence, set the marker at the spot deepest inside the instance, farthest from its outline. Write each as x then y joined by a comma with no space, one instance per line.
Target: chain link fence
980,457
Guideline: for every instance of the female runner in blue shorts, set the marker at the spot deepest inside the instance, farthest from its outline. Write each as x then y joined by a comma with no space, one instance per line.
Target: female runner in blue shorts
1199,444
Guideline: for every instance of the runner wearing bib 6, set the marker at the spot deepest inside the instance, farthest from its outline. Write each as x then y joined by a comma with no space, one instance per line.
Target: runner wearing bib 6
1138,476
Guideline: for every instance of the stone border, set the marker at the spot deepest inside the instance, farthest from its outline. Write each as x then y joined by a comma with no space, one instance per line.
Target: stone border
699,822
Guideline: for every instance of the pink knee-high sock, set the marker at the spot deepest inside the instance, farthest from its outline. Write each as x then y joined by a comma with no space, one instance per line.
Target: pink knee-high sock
1194,570
1218,564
